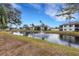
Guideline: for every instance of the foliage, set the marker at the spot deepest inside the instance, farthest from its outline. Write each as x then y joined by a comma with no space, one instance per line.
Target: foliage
9,15
69,10
25,26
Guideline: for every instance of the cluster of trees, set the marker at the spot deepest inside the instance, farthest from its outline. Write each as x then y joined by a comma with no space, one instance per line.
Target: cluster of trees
35,27
9,16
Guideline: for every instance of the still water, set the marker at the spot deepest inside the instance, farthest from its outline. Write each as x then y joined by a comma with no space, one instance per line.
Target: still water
71,41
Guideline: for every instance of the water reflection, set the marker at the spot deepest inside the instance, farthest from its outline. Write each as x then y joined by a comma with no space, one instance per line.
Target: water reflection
70,39
41,35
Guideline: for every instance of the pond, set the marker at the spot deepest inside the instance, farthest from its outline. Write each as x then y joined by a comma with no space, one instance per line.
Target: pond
71,41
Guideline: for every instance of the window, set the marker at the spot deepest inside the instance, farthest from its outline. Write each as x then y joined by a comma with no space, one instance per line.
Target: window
70,25
70,29
65,29
64,25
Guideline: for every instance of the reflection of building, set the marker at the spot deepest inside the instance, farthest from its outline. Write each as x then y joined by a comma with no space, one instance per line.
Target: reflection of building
72,26
70,39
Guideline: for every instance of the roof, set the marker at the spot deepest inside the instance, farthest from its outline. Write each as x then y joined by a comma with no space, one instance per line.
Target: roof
72,23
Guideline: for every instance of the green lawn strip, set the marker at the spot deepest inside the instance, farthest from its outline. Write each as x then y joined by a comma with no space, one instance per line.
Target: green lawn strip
63,33
51,32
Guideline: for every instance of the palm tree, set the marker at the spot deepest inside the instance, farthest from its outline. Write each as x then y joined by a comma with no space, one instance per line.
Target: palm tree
33,26
42,25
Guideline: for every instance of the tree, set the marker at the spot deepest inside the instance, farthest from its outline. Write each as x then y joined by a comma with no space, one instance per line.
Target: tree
33,26
41,22
25,26
3,17
9,15
45,28
42,25
15,20
69,10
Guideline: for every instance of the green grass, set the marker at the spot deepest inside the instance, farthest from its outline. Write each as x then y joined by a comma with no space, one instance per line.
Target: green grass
64,33
53,31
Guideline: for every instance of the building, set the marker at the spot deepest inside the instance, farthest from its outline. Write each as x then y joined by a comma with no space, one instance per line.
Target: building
39,27
71,26
54,29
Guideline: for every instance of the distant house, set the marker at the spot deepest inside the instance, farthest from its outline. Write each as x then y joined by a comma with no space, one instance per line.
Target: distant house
39,27
72,26
54,29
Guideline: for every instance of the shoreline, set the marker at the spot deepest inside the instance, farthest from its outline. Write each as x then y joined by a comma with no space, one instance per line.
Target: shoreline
52,32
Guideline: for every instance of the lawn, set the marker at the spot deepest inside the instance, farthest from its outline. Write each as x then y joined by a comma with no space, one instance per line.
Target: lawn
11,45
64,33
73,33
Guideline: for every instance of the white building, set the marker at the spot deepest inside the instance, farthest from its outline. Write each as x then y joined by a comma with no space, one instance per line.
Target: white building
72,26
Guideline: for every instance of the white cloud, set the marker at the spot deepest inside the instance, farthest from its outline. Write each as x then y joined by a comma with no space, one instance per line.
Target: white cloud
49,9
36,5
16,6
52,10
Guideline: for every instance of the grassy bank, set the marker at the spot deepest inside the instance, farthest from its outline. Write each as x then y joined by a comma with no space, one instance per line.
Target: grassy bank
51,32
22,45
64,33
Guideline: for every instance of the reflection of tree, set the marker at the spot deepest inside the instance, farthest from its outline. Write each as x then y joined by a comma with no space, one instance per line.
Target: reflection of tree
66,38
77,39
69,42
69,39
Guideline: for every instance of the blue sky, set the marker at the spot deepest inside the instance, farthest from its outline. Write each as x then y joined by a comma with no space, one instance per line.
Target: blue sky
33,13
